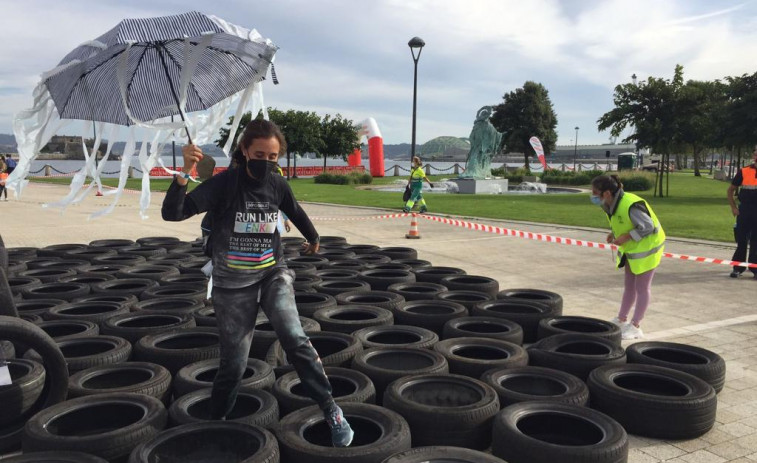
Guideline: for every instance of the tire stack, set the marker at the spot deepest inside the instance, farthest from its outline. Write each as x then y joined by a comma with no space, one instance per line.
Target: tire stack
124,331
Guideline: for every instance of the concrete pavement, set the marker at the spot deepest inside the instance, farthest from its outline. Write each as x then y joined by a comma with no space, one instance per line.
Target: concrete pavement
692,303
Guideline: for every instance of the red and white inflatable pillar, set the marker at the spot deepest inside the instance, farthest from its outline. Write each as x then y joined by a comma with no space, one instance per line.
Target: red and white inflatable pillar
370,129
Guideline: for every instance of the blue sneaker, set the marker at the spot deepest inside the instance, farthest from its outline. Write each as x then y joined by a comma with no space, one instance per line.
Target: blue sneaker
341,432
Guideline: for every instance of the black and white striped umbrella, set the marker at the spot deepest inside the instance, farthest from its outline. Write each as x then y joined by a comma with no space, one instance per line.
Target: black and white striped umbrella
144,69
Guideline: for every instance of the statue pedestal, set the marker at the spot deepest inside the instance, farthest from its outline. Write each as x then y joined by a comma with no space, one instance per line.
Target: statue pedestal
475,186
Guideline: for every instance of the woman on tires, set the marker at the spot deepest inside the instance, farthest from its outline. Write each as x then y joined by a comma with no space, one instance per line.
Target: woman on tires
640,239
248,269
415,182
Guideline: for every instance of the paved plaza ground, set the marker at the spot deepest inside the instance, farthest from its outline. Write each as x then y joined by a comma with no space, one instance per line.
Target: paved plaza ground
693,303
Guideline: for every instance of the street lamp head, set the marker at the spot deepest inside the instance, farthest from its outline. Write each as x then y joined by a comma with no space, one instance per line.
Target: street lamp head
576,127
633,78
416,42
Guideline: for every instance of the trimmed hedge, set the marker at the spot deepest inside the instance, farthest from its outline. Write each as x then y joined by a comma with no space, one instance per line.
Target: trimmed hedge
353,178
558,177
637,181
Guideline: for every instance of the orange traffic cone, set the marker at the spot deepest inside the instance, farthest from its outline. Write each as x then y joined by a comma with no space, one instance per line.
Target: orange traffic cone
413,234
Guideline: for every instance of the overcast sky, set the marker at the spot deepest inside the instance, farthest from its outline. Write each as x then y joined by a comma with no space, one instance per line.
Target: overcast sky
351,56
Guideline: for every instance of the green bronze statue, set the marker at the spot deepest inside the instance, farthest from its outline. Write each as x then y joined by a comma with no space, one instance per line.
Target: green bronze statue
484,144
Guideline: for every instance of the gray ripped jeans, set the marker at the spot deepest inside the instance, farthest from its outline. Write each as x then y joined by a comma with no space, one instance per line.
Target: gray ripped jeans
236,312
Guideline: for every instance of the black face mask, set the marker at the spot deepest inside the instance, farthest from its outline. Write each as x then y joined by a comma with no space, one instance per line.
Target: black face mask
260,168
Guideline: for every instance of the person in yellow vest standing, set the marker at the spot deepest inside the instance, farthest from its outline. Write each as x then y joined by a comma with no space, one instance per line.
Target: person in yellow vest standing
745,183
415,182
637,232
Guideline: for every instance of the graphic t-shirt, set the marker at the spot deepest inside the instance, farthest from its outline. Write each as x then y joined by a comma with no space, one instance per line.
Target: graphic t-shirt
244,238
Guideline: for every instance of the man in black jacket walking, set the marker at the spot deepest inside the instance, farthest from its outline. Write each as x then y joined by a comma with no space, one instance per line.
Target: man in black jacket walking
248,269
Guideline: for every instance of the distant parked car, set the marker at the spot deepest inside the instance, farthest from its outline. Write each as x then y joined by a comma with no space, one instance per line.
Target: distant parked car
654,166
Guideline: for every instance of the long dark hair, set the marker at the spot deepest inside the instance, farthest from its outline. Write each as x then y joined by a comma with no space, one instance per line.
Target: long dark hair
609,183
258,128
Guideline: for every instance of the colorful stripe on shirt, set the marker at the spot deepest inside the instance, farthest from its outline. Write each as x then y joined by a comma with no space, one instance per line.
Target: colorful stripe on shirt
250,261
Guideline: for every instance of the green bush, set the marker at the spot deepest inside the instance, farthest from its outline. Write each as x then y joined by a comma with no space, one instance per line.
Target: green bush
353,178
514,177
558,177
637,181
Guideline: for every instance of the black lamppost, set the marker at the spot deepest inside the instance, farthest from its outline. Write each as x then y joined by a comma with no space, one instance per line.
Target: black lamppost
575,150
415,43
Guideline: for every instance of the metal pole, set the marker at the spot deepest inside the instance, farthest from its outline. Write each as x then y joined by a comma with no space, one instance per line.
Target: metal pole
173,148
415,95
575,150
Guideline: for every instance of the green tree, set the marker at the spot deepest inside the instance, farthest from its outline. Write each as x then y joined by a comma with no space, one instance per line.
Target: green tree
302,130
650,107
524,113
339,136
699,107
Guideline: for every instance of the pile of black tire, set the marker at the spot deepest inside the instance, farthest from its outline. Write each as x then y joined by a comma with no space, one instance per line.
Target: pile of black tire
112,350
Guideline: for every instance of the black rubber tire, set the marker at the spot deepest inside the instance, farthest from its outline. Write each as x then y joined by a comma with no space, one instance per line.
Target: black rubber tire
37,306
654,401
15,267
254,407
120,259
334,349
346,264
336,254
83,353
483,327
429,314
36,319
197,279
178,348
302,268
169,305
124,286
334,287
65,291
135,325
19,283
172,259
95,312
294,241
525,313
200,375
469,299
381,279
144,251
22,332
331,273
370,259
265,335
541,296
445,409
466,282
347,385
54,457
383,299
435,274
111,243
168,241
390,266
528,384
398,252
472,356
702,363
384,365
149,271
90,253
3,256
27,382
439,453
39,262
205,316
362,249
7,304
577,354
582,325
96,267
88,278
396,336
417,291
22,253
198,293
126,300
137,377
73,264
309,303
210,441
350,318
48,275
60,330
60,250
106,425
548,432
414,263
304,282
193,267
316,261
304,436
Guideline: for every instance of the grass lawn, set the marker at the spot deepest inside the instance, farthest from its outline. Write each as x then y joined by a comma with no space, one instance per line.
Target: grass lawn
697,206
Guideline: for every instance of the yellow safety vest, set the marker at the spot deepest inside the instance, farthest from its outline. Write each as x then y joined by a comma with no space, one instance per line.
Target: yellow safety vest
416,178
644,255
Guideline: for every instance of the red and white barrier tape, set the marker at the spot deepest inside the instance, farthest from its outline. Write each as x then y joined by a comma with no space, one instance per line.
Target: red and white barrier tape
373,217
573,242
